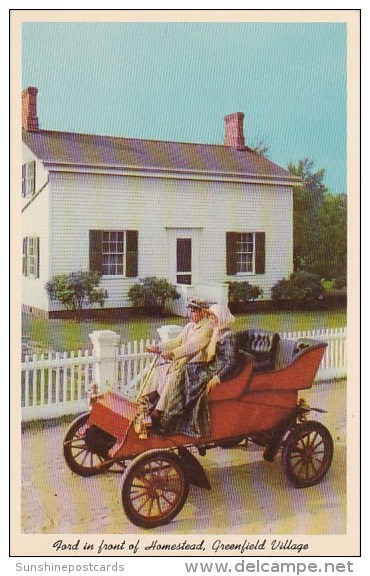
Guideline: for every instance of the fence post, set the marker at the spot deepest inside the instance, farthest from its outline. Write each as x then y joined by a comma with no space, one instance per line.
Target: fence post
168,332
105,343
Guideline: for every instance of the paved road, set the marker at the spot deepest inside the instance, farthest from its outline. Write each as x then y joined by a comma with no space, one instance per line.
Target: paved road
248,496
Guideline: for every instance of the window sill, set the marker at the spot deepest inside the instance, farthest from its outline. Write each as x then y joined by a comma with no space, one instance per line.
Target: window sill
113,277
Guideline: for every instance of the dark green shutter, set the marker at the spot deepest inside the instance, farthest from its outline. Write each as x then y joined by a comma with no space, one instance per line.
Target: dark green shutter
24,257
95,250
32,166
231,242
24,173
131,253
260,253
37,257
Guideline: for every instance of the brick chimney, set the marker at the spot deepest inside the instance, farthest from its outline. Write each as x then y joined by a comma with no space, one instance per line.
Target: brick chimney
234,135
30,122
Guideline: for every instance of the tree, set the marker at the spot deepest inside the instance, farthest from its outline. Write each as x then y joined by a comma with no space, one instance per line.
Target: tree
331,245
261,148
307,201
76,290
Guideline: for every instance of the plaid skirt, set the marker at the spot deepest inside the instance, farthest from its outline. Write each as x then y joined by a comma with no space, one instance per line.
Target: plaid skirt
187,409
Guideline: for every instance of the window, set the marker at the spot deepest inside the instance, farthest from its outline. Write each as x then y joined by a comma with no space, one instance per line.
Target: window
114,252
245,253
31,256
28,179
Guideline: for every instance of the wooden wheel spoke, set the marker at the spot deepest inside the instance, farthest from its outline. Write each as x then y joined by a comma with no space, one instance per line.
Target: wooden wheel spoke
305,440
319,452
297,462
148,499
85,457
154,488
73,440
312,437
141,493
136,495
81,451
318,444
307,453
170,502
307,473
81,446
171,491
317,459
146,478
315,468
80,458
299,467
157,499
297,453
139,486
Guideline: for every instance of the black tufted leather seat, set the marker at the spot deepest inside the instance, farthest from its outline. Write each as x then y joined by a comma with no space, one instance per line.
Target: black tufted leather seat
261,344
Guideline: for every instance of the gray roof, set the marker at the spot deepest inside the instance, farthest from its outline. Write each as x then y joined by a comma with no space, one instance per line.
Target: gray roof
131,153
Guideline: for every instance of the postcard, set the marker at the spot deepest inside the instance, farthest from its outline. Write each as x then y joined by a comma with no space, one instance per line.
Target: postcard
185,195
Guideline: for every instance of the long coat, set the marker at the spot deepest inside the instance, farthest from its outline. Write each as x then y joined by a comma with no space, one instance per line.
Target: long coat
191,343
189,346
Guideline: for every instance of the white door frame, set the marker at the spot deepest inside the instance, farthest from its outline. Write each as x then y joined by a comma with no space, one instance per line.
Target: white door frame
180,233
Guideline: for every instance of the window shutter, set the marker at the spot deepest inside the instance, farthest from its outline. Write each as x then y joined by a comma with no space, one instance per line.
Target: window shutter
24,171
131,253
32,177
231,241
260,253
95,250
37,257
24,257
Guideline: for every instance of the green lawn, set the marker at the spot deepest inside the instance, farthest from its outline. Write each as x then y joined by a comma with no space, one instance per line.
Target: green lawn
65,335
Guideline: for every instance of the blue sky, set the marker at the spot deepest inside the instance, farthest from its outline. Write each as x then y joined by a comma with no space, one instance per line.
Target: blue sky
176,81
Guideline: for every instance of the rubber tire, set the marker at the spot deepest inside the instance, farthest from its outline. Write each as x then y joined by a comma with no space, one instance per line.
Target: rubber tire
292,449
70,458
133,470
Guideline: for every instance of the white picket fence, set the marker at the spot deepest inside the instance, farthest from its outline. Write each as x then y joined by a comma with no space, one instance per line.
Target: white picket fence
57,384
334,362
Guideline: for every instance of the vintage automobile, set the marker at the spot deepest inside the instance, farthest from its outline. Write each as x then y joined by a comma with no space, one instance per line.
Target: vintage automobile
259,403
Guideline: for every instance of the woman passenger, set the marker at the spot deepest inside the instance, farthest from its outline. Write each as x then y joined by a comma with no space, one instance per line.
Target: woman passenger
187,410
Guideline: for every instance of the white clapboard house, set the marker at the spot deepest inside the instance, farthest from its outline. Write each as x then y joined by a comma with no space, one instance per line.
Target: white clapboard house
199,215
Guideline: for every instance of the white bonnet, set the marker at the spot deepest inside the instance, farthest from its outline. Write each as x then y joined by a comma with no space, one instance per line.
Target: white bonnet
224,316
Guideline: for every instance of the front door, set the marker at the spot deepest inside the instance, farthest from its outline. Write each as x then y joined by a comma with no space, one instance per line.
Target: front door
183,261
183,255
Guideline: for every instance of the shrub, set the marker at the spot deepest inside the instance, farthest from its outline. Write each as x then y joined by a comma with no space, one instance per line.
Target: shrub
341,282
152,293
241,292
301,287
76,290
